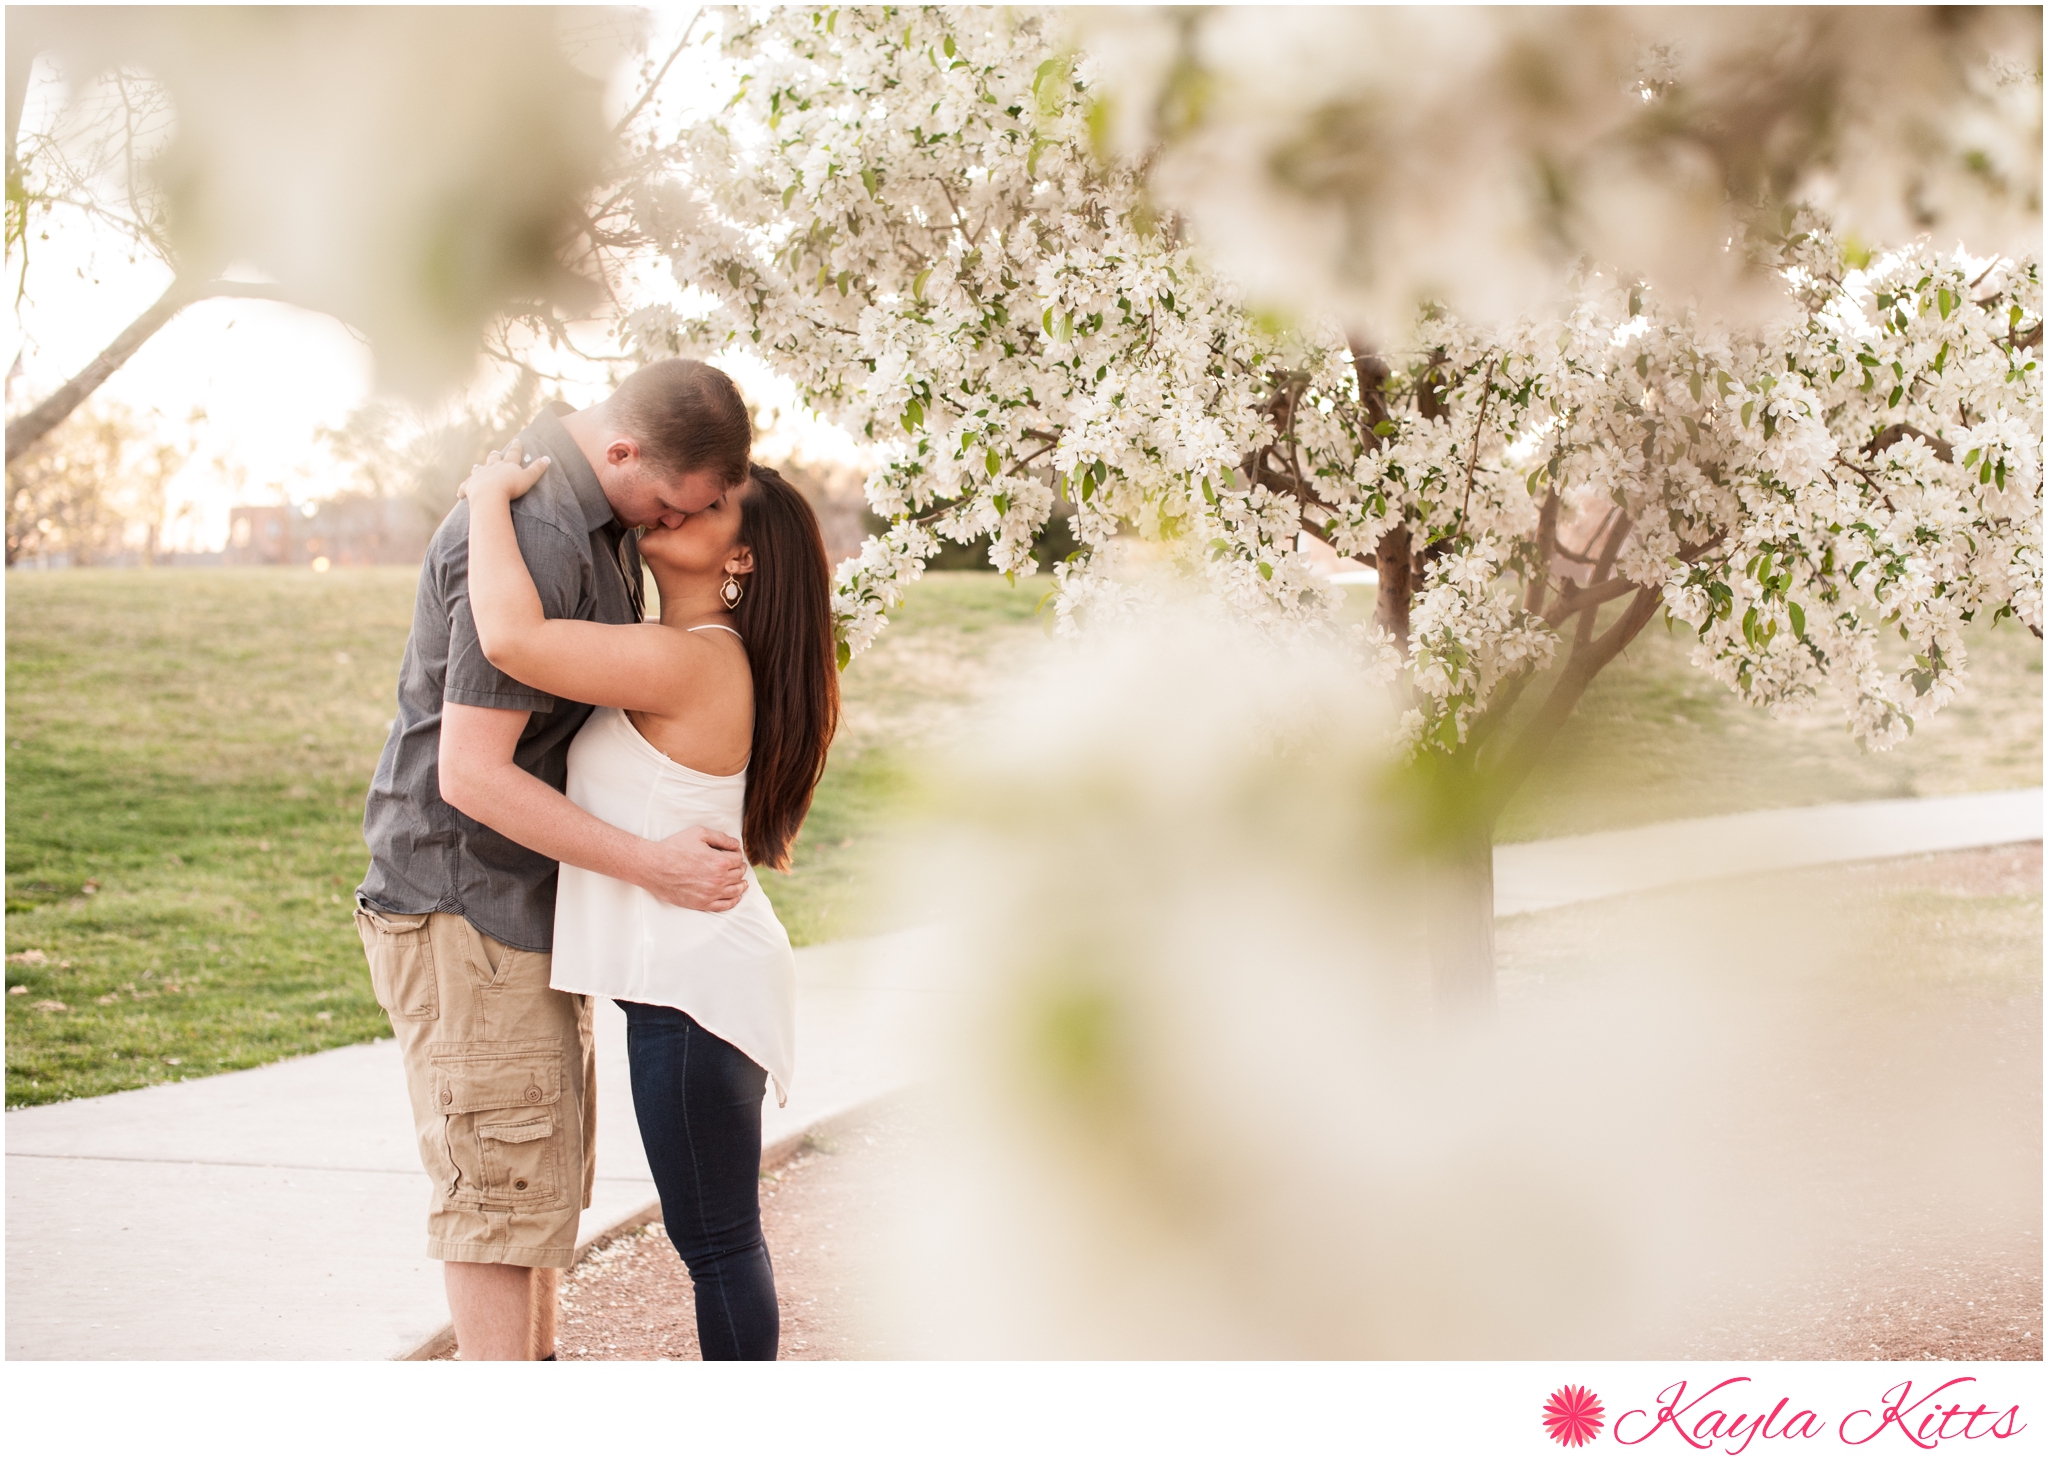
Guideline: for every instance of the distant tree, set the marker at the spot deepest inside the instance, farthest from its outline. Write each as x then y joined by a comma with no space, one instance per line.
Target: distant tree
419,456
100,480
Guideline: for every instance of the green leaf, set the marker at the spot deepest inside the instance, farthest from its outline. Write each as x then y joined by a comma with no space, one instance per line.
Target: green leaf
845,655
1383,430
994,460
788,194
1946,302
1798,618
1745,412
1897,393
1047,82
917,285
867,176
1265,571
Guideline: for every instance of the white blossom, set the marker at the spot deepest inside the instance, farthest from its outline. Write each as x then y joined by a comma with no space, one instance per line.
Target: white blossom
905,211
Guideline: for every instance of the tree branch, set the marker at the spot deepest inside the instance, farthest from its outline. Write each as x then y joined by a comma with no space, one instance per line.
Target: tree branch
1899,431
1585,664
654,85
25,431
1546,546
1472,458
1588,598
1273,478
1602,573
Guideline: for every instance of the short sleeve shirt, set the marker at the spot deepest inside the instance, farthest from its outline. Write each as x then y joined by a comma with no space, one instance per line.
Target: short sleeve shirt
426,855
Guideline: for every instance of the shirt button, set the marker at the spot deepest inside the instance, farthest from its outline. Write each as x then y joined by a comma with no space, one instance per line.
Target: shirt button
533,1094
518,1185
447,1098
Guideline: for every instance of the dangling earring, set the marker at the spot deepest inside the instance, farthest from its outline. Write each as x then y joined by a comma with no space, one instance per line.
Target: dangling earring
731,591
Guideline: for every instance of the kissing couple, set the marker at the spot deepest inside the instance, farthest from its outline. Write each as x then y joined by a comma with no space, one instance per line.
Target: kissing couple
568,808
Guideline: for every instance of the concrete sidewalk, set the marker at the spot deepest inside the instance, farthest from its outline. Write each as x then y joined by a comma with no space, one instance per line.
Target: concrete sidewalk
276,1213
1546,873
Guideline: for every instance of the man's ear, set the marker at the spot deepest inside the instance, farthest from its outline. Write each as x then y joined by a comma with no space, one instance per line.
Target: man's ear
621,452
741,561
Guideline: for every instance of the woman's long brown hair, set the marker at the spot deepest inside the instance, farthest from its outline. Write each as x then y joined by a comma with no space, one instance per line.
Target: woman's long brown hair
785,616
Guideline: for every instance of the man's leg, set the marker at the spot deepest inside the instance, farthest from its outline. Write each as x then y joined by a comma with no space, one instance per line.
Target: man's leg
547,1297
492,1304
502,1311
508,1156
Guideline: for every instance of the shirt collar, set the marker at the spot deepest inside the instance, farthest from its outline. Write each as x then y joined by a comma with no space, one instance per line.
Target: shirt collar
553,439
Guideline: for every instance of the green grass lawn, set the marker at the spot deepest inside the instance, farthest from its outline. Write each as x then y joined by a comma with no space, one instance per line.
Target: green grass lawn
1655,739
188,751
187,756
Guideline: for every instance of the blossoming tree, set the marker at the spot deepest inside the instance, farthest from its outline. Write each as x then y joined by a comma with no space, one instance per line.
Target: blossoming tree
908,212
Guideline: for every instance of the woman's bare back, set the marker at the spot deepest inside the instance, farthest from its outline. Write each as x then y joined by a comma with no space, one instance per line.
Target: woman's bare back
715,732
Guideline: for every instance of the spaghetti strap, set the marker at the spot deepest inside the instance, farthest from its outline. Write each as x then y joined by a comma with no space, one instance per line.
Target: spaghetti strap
713,626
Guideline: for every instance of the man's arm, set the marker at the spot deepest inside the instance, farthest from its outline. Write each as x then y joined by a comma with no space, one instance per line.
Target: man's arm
698,868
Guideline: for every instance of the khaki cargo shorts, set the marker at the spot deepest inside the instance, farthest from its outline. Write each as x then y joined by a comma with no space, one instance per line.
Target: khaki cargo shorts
502,1074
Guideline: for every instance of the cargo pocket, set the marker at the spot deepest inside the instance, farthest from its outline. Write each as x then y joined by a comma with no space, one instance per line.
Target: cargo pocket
497,1103
517,1162
401,964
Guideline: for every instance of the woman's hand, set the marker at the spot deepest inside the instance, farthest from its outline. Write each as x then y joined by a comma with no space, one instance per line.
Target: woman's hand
501,475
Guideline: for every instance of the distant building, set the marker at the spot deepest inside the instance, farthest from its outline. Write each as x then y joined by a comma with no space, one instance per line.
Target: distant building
353,529
260,534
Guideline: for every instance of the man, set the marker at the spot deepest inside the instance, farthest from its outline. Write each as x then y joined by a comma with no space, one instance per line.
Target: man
466,823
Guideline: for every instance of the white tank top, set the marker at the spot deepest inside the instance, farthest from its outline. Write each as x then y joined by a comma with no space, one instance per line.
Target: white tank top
732,971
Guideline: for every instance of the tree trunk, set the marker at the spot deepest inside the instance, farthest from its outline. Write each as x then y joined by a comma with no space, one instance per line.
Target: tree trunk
1460,930
1395,562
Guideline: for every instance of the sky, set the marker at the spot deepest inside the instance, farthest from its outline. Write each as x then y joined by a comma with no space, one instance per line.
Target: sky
268,376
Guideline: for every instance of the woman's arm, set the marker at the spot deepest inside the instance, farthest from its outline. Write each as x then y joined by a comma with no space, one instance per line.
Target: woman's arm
648,668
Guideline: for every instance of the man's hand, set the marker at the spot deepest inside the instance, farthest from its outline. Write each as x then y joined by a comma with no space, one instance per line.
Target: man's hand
698,868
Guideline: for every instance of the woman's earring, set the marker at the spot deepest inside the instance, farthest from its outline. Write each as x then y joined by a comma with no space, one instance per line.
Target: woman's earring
731,591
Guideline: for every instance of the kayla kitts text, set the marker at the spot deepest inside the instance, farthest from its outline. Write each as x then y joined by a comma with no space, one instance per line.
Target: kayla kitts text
1736,1413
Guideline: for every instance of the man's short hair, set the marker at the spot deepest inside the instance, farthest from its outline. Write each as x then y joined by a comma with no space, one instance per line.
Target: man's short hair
685,415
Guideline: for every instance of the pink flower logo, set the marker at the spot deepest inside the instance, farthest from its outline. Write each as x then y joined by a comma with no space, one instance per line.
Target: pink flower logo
1573,1415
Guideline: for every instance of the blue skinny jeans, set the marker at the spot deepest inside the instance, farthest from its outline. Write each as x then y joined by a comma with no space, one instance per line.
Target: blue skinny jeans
698,1100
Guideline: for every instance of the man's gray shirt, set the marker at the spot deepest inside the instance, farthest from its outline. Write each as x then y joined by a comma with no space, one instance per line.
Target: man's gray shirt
424,854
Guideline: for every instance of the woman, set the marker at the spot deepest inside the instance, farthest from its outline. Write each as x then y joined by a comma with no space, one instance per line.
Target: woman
718,715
